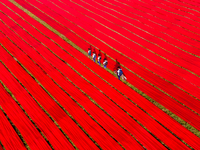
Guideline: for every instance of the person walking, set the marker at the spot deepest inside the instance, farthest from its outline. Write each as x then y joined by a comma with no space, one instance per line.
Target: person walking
105,61
99,58
94,56
117,65
89,52
119,72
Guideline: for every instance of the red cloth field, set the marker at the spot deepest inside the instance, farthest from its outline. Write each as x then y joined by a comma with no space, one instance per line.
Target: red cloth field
76,103
8,137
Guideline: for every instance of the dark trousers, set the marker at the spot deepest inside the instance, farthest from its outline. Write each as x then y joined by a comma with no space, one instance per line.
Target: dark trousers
118,77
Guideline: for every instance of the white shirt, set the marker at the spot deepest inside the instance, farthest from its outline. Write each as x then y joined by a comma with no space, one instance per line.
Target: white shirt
99,58
93,55
118,71
105,62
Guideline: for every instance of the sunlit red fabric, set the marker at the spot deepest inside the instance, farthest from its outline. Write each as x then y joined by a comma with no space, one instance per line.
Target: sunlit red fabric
148,66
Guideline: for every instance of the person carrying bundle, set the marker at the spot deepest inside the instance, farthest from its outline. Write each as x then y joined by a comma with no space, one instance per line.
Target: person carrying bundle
105,61
99,58
89,52
119,72
117,65
94,56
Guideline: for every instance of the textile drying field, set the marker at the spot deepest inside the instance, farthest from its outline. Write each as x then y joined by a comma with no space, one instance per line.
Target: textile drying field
53,96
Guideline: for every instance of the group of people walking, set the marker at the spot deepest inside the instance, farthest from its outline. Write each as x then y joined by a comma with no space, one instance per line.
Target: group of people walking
117,69
94,56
